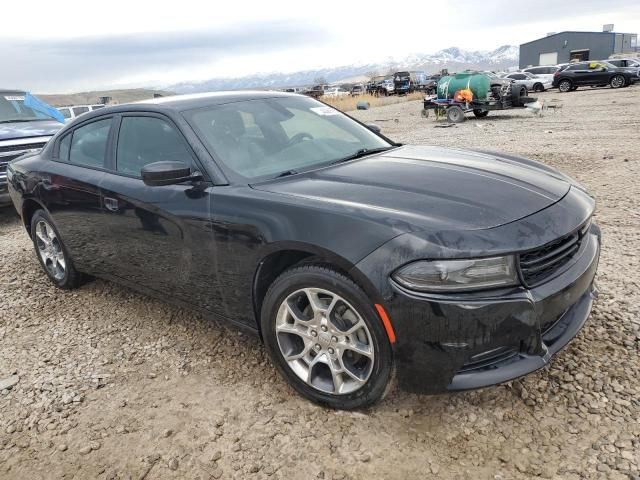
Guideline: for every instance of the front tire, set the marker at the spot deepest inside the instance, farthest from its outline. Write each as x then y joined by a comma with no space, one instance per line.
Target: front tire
538,87
325,337
617,81
52,253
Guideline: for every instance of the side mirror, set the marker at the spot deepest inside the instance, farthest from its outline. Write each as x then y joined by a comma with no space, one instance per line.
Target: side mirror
167,173
373,127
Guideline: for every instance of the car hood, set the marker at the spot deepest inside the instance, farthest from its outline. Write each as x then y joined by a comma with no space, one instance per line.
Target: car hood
40,128
414,188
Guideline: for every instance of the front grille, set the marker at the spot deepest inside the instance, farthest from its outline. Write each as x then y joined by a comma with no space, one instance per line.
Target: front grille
489,358
19,148
544,262
11,152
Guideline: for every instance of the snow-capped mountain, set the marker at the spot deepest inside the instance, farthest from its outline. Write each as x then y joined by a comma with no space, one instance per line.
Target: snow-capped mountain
453,58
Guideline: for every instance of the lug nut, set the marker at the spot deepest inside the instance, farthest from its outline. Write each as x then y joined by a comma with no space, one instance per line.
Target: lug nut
331,351
334,339
324,328
318,347
314,333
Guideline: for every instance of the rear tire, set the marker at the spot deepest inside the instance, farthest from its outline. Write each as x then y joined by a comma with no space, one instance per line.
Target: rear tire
51,252
455,114
304,319
565,86
538,87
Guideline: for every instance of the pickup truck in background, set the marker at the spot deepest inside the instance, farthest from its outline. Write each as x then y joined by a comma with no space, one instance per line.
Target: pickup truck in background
22,130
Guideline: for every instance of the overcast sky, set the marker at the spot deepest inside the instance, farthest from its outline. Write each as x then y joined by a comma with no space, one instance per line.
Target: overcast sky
69,45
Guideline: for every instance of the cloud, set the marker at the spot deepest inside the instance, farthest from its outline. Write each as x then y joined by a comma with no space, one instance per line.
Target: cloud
47,64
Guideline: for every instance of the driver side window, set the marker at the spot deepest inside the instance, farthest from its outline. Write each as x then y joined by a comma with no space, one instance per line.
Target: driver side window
306,121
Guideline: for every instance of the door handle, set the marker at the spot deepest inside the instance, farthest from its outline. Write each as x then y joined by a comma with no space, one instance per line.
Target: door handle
111,204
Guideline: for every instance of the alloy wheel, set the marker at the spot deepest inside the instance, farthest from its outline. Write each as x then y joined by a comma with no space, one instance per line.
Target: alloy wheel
617,81
325,341
564,86
50,250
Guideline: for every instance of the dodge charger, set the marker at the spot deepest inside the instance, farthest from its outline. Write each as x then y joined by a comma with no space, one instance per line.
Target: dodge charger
355,259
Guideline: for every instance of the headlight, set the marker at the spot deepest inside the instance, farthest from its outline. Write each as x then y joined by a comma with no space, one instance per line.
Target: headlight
457,275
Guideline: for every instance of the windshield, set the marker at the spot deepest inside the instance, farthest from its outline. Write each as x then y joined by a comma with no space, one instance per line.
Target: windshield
12,109
266,138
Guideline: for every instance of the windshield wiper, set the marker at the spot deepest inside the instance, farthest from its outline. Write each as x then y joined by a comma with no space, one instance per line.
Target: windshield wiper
363,152
287,173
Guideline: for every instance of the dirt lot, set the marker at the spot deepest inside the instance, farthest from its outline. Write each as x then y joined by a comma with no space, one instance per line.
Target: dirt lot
114,385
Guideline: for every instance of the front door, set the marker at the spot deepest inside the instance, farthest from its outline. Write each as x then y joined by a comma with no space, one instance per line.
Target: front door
157,237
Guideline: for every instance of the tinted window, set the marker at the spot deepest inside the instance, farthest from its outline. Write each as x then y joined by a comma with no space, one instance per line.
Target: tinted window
535,71
63,152
144,140
80,110
577,66
65,112
89,143
617,63
96,107
518,76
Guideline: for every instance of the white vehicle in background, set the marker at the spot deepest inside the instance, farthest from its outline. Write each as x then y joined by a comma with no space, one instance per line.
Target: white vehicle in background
70,113
336,92
544,72
532,82
627,63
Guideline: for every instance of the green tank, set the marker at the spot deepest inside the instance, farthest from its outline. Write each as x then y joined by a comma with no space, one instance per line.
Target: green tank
478,83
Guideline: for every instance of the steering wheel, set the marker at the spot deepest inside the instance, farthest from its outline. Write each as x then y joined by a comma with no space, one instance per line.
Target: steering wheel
298,137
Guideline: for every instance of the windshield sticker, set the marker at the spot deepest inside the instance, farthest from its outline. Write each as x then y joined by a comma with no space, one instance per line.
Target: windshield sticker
14,98
325,111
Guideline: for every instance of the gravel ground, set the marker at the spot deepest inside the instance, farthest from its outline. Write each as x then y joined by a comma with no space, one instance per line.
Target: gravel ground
109,384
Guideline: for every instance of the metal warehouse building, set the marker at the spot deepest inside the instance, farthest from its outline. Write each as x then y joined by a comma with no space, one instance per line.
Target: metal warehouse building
563,47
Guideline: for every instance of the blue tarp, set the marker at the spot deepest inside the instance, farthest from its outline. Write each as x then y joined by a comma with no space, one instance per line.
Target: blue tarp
39,106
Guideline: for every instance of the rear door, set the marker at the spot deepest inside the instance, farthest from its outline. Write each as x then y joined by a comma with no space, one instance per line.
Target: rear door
71,190
156,237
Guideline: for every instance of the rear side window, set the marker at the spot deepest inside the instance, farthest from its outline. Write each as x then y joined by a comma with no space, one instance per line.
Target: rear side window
144,140
63,149
65,112
617,63
577,66
89,144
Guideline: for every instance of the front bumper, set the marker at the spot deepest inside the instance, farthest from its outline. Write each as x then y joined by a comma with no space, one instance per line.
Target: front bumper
478,339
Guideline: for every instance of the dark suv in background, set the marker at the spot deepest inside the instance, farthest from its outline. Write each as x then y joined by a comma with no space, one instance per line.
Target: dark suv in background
22,130
592,74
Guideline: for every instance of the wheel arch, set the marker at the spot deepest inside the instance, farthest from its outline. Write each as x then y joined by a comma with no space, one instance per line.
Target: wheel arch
280,258
29,207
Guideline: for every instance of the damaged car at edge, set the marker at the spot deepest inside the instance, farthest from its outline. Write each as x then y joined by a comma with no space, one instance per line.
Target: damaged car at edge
353,257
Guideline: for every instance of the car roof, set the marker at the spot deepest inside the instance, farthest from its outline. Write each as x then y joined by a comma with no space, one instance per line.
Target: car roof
197,100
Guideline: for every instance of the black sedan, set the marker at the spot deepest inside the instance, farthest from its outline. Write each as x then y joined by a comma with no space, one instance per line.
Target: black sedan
352,257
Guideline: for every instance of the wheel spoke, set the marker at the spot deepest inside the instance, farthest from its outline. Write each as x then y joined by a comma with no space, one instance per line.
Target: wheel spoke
352,375
337,380
302,354
359,348
49,231
41,233
61,261
294,313
300,331
314,300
